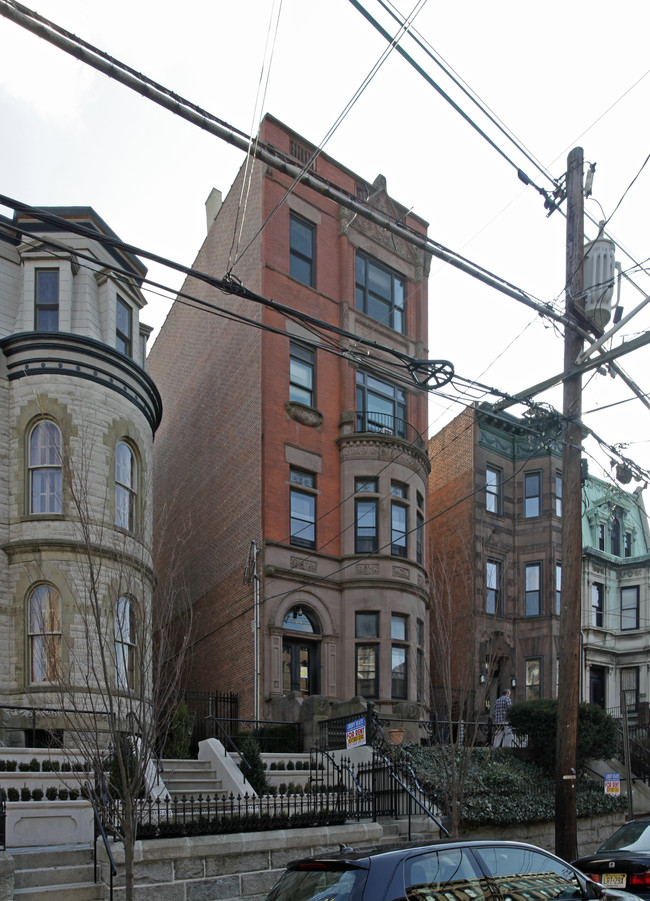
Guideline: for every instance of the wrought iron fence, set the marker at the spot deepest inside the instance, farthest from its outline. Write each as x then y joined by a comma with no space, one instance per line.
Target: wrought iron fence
203,704
281,736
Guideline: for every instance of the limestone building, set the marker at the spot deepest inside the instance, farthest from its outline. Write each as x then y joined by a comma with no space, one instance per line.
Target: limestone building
293,452
77,419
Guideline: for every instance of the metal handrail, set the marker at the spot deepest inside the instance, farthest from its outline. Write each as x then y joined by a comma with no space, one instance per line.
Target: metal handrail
228,741
99,830
393,775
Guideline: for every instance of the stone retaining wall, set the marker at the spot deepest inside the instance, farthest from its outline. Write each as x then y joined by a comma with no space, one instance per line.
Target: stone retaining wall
247,865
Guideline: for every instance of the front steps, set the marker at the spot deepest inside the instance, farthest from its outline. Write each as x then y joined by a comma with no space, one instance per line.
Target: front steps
64,873
190,778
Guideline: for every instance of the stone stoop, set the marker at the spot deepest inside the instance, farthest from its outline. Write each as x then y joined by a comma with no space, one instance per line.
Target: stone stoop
190,778
65,873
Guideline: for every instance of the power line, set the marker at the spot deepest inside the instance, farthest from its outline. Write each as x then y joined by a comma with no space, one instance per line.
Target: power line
117,70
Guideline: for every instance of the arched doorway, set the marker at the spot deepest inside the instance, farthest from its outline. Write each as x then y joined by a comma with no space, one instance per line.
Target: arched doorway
301,651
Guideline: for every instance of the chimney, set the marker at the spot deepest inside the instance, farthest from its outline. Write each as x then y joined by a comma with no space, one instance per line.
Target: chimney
212,206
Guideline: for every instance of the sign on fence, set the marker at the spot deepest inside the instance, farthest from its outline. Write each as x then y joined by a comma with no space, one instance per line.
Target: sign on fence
612,783
355,733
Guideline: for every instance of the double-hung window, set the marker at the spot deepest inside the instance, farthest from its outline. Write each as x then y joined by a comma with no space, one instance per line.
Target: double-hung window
533,576
303,508
123,328
366,534
124,644
630,608
533,676
45,468
302,250
398,516
45,634
125,486
532,494
493,490
630,687
597,604
615,537
493,599
558,494
46,300
367,670
302,371
399,655
627,544
380,292
381,407
558,588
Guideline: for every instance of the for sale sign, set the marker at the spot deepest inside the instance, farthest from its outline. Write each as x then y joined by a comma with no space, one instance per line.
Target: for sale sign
612,783
355,733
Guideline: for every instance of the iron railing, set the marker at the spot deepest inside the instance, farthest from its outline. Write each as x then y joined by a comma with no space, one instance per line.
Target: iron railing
204,704
282,736
385,424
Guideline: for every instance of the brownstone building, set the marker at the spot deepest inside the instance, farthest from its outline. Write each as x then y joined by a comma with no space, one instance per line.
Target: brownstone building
294,455
495,503
495,500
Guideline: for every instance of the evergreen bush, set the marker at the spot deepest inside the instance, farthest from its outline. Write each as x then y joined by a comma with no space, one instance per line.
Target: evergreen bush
249,749
13,794
177,746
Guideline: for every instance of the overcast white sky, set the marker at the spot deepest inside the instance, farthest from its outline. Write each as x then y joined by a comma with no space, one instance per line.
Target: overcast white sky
557,74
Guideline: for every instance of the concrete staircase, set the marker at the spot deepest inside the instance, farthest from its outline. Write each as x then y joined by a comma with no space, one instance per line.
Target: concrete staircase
191,778
64,872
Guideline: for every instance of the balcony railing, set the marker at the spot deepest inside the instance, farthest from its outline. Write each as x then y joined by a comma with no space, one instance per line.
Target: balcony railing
385,424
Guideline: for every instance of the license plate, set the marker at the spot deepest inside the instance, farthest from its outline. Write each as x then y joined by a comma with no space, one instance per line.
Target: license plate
614,880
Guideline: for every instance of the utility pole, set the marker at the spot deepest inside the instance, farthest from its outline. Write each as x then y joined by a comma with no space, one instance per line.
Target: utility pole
569,649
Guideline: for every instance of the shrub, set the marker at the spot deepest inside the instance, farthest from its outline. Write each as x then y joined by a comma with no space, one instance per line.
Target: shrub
281,765
23,766
66,767
290,765
283,788
597,731
249,748
179,738
74,794
13,794
273,766
37,794
47,766
11,766
50,793
63,794
3,765
34,765
25,794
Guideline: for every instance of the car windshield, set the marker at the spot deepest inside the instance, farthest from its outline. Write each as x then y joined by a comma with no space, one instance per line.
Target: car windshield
319,885
631,837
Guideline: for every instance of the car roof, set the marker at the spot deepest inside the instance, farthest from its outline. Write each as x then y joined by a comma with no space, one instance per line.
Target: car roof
402,849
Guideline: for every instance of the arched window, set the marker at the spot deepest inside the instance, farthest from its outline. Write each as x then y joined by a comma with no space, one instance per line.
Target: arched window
125,486
45,634
124,644
45,468
301,656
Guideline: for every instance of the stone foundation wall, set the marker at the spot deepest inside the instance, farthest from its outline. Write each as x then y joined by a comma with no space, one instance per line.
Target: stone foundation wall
247,865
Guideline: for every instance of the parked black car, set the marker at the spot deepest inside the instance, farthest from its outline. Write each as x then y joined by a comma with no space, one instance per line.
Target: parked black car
441,871
623,861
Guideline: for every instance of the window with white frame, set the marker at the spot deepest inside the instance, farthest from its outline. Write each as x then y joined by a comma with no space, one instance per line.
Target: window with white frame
45,634
124,644
532,494
558,494
125,486
367,670
558,588
597,604
533,600
398,544
45,468
493,490
493,599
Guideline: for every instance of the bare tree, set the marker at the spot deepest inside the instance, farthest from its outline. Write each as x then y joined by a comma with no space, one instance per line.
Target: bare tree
461,669
116,650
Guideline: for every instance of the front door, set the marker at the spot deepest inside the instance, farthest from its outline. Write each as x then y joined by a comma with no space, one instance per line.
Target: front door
300,670
597,685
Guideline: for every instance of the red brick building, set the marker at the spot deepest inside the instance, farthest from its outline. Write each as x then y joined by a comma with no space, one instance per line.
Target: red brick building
279,432
495,505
